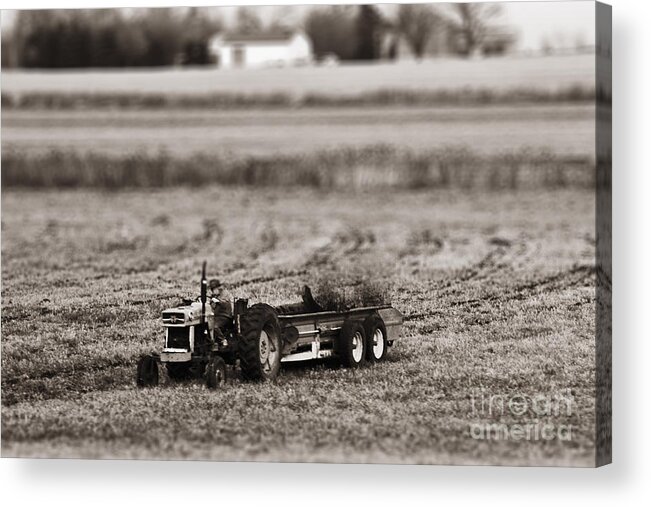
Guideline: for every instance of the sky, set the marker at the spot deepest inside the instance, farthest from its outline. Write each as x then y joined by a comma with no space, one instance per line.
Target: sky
562,23
538,20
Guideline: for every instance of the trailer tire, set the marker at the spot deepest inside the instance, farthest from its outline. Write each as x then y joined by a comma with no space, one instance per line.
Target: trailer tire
260,349
147,372
178,371
376,338
215,373
351,347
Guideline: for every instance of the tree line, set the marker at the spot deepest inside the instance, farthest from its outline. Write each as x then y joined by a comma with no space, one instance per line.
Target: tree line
108,38
163,37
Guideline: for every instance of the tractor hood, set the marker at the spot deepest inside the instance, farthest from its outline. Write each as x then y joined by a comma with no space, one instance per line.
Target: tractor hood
187,315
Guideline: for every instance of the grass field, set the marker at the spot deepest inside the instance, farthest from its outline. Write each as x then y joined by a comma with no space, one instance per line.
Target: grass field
569,129
497,289
546,73
378,166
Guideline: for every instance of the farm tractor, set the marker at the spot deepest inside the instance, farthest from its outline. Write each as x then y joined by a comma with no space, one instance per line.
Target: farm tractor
260,337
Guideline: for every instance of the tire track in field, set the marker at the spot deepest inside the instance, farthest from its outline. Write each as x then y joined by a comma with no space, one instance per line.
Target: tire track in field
345,243
491,264
488,265
504,256
573,277
265,279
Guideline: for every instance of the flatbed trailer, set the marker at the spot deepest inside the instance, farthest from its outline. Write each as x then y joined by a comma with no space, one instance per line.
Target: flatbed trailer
316,334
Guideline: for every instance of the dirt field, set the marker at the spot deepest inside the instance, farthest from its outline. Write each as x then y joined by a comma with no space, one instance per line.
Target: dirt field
497,73
497,289
569,129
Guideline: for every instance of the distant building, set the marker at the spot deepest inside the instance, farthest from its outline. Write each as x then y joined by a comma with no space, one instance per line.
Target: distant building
277,48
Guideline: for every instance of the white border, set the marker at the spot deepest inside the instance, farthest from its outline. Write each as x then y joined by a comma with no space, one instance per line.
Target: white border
71,482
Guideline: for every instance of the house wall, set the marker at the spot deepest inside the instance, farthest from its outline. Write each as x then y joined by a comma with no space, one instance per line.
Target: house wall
258,55
301,49
261,54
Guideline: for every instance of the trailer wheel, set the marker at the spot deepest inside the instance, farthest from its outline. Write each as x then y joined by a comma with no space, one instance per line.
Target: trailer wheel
259,348
352,344
178,371
215,373
147,372
376,335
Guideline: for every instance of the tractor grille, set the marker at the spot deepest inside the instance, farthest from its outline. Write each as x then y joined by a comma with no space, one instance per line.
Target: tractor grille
178,337
173,317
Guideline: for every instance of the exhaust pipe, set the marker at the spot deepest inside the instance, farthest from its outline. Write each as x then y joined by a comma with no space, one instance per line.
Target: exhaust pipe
204,297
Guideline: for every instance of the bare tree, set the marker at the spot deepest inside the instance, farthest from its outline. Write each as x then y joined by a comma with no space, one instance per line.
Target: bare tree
282,18
248,21
417,22
473,21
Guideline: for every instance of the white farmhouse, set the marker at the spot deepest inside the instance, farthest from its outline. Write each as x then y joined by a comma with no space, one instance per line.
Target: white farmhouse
273,48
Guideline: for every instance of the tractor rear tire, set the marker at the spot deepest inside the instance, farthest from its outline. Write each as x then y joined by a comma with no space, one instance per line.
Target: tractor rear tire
215,373
351,345
376,338
260,348
147,372
178,371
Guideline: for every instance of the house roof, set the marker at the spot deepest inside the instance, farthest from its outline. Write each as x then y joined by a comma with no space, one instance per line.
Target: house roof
268,36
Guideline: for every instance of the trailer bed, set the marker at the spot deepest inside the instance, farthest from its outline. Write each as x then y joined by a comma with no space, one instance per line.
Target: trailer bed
315,332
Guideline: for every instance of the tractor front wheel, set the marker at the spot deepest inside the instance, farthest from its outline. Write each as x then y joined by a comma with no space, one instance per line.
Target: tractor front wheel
259,348
147,372
215,373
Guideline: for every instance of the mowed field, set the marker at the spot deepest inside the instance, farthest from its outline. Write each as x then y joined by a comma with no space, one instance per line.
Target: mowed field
497,289
569,129
549,73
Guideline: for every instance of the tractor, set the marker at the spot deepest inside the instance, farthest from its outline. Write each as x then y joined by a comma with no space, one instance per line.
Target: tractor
258,338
